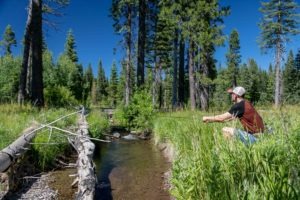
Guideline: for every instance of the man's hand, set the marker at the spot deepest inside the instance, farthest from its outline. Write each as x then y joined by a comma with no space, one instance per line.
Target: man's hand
205,119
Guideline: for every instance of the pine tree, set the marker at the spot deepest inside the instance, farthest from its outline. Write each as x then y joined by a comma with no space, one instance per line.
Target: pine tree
88,79
162,57
8,40
76,82
101,84
280,20
113,85
290,80
297,68
70,47
141,43
233,57
271,84
123,12
253,87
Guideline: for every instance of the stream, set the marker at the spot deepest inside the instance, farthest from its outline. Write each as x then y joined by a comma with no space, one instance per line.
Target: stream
129,170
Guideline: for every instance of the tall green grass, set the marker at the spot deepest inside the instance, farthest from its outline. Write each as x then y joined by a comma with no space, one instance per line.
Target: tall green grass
13,120
207,166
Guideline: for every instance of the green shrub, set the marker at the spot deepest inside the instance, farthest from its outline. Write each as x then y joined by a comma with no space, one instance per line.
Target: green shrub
138,114
59,96
98,123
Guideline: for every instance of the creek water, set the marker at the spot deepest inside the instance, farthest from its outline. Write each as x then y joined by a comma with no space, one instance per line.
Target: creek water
130,170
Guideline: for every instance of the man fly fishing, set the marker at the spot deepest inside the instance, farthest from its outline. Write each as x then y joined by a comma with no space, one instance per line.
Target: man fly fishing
248,116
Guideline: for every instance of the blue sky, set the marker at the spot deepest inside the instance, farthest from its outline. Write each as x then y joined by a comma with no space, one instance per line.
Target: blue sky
245,17
90,23
95,39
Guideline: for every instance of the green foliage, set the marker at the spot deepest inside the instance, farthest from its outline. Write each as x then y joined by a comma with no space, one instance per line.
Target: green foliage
113,86
290,81
88,79
8,40
138,114
59,96
98,123
70,46
233,57
45,152
9,78
70,75
101,92
14,119
220,98
280,20
50,76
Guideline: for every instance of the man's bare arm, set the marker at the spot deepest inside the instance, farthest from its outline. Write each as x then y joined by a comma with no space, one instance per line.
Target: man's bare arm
218,118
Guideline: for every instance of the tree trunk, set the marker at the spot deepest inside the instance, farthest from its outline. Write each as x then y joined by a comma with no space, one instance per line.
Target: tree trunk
278,77
37,95
175,69
157,85
27,39
181,73
128,63
154,85
204,97
192,76
141,43
29,73
9,154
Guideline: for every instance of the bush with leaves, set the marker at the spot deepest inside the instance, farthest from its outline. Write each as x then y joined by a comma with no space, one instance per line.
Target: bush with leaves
138,114
98,123
58,96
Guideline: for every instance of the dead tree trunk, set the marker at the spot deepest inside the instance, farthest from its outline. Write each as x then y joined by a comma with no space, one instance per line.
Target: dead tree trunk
27,42
9,154
85,166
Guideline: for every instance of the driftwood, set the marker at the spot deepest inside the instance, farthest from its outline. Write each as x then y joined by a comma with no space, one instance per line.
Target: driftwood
9,154
86,177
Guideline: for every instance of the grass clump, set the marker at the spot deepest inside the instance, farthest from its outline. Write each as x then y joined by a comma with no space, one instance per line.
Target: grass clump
207,166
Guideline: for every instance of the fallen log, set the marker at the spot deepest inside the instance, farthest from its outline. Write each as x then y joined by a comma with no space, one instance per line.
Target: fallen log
85,167
9,154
